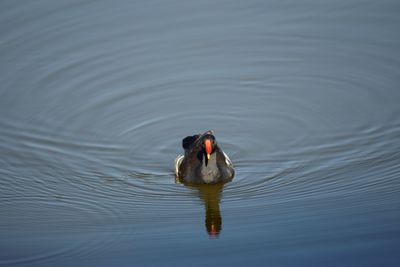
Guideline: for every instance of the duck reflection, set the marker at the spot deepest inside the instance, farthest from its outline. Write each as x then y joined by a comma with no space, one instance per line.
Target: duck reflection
211,195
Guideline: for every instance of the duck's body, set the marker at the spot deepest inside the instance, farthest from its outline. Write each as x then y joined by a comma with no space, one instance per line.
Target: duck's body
204,161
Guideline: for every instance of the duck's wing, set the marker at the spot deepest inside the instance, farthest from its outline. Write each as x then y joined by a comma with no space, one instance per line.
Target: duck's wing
177,164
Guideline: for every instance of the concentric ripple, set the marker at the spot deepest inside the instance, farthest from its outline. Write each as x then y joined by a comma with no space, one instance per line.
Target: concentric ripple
95,99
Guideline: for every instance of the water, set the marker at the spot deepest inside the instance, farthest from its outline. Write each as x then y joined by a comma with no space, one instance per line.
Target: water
96,97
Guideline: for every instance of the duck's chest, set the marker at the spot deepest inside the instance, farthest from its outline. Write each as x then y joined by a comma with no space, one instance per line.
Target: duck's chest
210,172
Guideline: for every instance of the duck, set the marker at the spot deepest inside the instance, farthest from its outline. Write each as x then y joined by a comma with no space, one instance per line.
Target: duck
203,162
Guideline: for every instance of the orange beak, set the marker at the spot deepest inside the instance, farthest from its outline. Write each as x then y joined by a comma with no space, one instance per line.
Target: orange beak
207,144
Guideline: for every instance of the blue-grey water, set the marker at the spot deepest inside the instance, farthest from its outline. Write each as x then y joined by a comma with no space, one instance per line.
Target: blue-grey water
96,96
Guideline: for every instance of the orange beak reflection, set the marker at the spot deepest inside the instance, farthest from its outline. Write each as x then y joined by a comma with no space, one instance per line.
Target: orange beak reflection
208,146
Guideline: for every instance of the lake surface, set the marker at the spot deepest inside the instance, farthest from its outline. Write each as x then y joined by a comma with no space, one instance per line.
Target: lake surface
96,96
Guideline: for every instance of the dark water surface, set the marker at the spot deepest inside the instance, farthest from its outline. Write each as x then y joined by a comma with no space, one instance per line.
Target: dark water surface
95,97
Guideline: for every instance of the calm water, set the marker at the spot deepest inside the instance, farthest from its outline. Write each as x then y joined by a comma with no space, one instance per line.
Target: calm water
96,96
